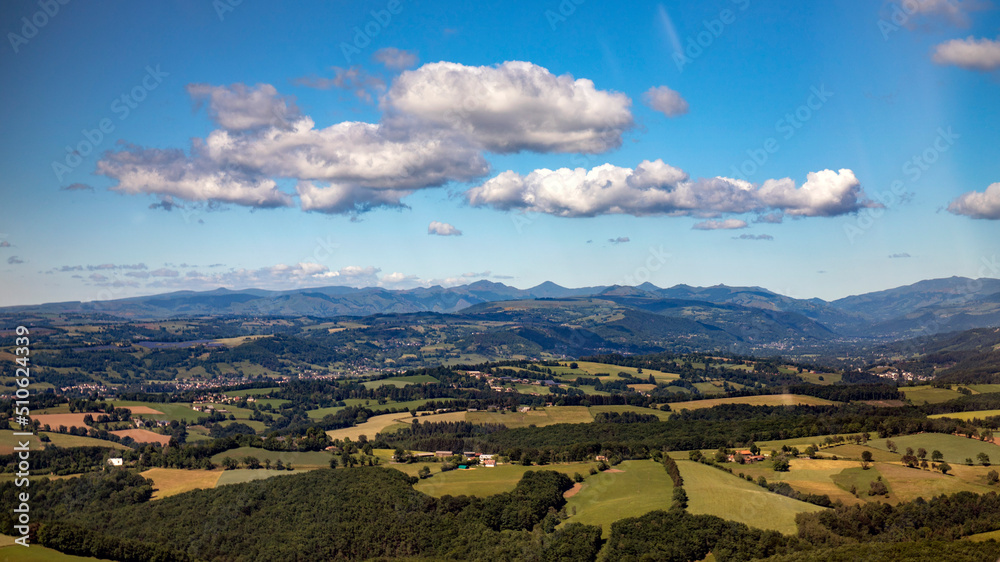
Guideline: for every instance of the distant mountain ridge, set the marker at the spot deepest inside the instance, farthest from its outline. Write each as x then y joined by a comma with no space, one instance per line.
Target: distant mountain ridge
923,308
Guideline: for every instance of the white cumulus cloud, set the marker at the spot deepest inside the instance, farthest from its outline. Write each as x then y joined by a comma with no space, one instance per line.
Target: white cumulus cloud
511,107
656,188
970,53
443,229
239,107
985,205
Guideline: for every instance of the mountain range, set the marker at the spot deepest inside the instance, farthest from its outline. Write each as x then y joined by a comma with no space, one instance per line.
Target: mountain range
923,308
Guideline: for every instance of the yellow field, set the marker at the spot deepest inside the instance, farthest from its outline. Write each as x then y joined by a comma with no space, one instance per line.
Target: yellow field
540,417
981,414
8,441
233,342
172,481
769,400
811,476
910,483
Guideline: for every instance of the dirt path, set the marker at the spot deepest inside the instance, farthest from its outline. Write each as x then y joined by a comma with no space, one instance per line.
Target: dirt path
573,491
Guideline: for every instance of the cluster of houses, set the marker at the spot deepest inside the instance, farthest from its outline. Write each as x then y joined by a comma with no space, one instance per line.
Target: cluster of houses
208,408
485,460
497,384
748,456
222,399
902,376
141,423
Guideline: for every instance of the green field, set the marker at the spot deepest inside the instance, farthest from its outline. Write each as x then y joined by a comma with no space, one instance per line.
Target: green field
374,406
861,480
828,378
853,452
590,369
171,410
927,393
37,553
241,475
531,389
984,388
606,497
480,481
299,459
987,536
714,492
981,414
400,381
954,448
709,387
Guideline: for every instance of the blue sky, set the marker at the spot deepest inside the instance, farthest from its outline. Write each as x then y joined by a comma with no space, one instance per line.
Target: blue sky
281,146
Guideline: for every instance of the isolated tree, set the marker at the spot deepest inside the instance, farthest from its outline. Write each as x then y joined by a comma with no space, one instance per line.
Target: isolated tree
992,477
811,451
944,467
936,456
333,462
781,464
229,463
878,488
866,459
983,459
424,472
574,366
921,453
891,445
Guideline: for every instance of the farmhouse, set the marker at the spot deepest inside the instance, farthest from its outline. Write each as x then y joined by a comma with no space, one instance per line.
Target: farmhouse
489,463
442,454
748,457
115,462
